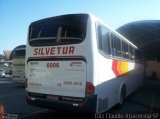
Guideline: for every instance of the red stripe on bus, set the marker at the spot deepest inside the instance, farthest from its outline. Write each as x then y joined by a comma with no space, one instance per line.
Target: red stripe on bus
114,68
120,68
45,57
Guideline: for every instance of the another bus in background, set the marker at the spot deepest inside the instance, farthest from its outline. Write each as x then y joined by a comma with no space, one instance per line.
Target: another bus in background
18,72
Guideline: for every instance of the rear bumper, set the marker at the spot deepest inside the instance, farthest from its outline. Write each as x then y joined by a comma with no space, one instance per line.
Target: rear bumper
88,106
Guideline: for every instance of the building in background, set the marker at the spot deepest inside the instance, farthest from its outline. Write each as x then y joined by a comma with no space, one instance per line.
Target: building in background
7,54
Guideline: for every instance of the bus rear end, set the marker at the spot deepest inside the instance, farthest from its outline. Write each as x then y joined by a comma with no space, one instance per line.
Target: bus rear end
57,56
18,71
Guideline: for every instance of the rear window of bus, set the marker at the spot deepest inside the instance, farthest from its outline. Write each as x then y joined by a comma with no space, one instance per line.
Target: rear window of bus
19,53
60,30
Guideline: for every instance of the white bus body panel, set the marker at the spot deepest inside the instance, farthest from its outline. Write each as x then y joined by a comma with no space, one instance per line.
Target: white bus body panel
53,77
68,78
18,70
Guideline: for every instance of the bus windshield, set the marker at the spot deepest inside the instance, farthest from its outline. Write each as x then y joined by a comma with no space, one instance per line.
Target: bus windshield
19,54
63,30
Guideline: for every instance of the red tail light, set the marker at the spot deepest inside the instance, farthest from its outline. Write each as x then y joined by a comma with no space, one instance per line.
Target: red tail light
89,88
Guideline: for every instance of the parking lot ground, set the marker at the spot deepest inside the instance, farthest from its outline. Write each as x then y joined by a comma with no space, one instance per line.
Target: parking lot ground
12,99
13,103
145,100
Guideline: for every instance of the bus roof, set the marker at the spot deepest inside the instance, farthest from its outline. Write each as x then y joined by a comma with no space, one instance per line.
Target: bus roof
92,16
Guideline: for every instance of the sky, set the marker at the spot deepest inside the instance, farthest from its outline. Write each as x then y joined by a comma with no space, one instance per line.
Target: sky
16,15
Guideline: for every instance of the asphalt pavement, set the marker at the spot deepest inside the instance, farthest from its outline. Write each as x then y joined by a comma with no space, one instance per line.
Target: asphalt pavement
13,104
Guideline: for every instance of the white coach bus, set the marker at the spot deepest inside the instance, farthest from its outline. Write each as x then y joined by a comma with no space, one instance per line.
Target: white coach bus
77,62
18,70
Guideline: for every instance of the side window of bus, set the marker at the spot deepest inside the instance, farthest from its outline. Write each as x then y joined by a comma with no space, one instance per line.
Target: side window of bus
104,40
125,52
131,53
113,45
116,46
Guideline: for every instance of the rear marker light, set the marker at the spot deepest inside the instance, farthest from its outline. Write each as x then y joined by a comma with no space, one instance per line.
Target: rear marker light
89,88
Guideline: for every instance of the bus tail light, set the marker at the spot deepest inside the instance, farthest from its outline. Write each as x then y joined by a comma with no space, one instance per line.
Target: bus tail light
89,89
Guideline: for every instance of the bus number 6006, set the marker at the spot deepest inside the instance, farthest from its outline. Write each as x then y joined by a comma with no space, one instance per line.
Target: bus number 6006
52,65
